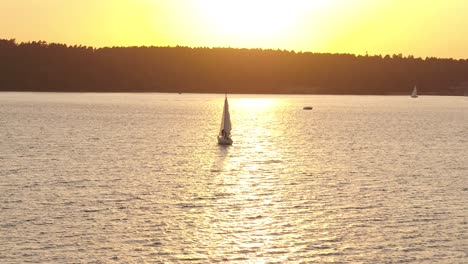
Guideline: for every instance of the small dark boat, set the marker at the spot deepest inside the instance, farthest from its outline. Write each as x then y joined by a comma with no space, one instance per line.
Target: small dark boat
307,108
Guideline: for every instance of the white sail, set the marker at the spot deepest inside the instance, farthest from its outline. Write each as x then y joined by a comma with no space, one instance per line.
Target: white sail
225,120
224,137
415,92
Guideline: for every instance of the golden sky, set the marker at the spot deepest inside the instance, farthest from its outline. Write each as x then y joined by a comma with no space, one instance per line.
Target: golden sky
422,28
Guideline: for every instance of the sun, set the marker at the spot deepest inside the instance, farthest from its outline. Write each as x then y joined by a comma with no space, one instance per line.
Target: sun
254,22
246,17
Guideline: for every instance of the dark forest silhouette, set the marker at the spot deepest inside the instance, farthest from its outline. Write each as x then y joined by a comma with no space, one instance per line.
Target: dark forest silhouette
41,66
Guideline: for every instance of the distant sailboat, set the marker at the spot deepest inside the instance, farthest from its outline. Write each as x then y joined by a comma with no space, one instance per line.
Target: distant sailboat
224,137
414,94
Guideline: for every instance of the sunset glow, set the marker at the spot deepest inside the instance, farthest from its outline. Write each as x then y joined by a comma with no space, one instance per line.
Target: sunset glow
254,23
429,28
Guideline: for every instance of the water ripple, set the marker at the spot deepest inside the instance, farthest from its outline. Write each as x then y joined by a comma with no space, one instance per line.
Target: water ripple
138,178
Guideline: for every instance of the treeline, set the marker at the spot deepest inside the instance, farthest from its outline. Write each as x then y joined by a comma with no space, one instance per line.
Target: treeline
41,66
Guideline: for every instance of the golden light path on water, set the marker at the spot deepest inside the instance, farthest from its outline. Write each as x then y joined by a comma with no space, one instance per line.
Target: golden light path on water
259,210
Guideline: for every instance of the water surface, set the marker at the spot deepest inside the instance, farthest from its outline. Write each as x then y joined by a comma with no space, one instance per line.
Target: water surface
116,178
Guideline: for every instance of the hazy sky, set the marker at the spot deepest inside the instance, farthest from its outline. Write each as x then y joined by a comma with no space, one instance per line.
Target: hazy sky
420,27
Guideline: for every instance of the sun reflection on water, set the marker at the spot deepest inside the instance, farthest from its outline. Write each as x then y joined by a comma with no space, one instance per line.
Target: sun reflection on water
254,104
255,120
253,202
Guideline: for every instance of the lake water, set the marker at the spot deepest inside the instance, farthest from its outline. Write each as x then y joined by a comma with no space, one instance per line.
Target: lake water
139,178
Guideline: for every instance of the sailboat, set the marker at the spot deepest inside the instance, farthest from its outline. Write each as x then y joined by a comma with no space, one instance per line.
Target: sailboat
224,137
414,94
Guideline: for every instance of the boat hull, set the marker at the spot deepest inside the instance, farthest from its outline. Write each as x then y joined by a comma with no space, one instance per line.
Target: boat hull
224,141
